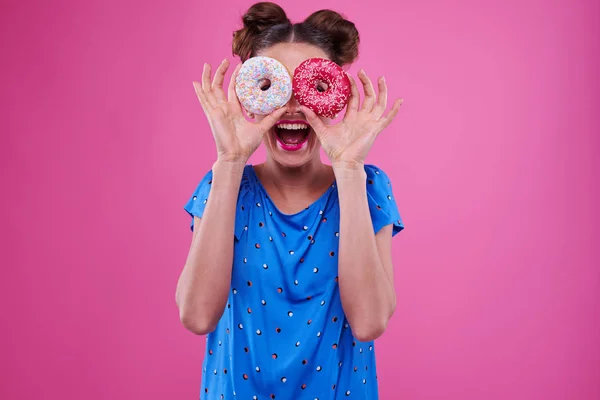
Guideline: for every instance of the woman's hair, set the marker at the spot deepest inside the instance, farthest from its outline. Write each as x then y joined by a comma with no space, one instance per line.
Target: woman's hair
266,24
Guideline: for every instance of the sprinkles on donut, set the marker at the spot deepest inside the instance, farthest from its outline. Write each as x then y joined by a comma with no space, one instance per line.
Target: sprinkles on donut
263,85
322,86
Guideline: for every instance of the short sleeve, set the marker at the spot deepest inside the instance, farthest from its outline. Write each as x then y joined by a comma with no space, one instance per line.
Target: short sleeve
382,204
197,202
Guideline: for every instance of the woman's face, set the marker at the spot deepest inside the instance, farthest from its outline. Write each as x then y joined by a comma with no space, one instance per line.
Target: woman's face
282,140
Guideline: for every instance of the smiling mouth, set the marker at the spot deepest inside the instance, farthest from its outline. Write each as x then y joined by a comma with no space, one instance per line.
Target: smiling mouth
291,135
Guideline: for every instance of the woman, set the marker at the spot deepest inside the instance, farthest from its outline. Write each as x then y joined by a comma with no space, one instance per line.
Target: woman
292,301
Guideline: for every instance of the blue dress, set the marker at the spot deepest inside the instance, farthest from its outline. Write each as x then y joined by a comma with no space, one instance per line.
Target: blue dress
283,334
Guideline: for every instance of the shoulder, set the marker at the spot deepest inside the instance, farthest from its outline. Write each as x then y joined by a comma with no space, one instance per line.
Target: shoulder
196,203
382,202
376,176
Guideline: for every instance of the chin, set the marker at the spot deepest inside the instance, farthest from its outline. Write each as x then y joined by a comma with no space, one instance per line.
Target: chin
292,143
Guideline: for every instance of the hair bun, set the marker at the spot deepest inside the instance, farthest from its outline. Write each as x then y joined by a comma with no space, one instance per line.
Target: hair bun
342,33
262,16
258,18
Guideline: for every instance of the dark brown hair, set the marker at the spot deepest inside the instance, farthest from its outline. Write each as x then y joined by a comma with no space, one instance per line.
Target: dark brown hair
266,24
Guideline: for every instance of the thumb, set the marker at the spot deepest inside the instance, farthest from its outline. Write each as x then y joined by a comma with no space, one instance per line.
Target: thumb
314,121
271,119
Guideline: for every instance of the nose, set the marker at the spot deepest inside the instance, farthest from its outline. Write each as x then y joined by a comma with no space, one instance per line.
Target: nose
292,106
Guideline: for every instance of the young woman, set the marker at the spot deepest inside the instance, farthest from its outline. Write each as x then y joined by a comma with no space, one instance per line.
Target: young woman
289,272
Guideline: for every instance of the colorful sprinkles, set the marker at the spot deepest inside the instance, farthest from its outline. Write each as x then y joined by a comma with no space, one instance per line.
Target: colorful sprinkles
253,91
307,77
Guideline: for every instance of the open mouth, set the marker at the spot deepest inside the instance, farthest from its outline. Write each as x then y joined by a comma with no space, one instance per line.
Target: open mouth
292,135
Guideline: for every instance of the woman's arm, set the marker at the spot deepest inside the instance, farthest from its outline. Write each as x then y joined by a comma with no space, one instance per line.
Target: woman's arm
365,264
203,286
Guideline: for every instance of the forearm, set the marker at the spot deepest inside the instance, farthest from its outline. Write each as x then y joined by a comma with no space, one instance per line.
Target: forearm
204,283
366,291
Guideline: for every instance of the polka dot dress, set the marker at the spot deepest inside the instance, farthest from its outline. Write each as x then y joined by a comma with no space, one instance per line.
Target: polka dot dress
283,334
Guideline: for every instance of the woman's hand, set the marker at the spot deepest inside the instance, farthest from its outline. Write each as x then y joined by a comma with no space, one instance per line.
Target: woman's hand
236,137
347,143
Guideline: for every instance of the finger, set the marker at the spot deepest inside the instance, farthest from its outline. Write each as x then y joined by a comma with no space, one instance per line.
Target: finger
201,97
313,120
206,77
270,120
381,105
354,100
385,121
231,94
217,84
206,88
369,91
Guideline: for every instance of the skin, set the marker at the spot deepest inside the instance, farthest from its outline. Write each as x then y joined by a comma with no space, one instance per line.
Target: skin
293,180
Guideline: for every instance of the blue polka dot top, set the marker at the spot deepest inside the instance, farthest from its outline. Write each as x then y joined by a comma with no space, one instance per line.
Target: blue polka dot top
283,334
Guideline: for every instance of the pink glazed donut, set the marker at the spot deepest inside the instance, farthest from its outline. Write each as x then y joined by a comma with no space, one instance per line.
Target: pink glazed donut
326,102
253,89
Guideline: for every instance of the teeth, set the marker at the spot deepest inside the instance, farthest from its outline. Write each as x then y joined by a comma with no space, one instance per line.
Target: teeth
292,126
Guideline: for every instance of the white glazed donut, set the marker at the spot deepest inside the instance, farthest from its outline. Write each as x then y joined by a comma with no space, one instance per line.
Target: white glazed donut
250,81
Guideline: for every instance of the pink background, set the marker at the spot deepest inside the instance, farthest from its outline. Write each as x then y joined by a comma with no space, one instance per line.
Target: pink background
493,159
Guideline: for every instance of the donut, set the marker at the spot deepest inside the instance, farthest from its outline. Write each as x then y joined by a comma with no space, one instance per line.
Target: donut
263,85
308,91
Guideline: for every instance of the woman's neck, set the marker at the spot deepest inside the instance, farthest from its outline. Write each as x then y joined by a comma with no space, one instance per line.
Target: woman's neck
308,178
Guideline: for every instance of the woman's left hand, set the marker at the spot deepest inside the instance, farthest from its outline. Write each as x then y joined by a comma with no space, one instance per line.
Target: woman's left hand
348,142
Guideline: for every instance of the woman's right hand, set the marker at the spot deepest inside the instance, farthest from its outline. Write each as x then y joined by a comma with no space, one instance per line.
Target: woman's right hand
236,137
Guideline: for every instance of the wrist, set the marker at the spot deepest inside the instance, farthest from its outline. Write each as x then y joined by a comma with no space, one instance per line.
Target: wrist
230,164
227,173
349,171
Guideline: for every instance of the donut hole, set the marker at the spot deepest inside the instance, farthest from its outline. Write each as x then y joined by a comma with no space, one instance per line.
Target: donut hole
322,86
264,84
